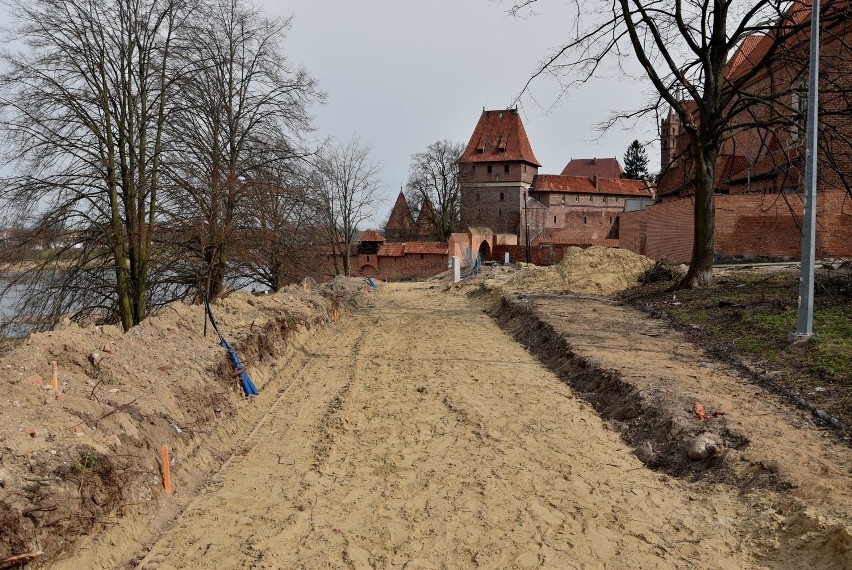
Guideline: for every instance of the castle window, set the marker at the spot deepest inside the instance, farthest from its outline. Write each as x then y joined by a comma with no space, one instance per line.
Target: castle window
500,212
421,256
473,168
563,198
584,219
489,169
576,198
554,219
502,196
505,168
591,199
604,199
610,219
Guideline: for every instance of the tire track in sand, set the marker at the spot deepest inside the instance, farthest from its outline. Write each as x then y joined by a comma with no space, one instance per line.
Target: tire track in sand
422,436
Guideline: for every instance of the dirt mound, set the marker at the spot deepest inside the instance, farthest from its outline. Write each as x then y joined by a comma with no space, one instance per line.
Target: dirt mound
71,457
591,271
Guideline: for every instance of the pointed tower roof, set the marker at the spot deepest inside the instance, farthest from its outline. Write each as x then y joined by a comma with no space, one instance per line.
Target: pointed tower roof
427,212
426,219
499,136
400,216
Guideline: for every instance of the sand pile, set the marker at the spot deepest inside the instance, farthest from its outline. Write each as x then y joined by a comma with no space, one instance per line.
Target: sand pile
592,271
72,457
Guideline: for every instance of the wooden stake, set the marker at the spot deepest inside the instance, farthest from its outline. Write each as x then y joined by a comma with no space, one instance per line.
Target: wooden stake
167,477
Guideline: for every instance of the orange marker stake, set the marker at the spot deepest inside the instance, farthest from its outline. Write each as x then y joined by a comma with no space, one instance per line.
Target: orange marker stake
167,477
55,378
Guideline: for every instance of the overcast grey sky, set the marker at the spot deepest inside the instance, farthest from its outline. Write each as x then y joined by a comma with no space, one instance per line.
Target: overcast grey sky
402,74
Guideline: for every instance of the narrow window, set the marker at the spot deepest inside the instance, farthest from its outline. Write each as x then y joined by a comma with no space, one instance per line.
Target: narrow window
563,199
489,169
473,168
505,168
576,198
421,256
500,212
610,219
554,219
584,219
591,199
502,196
604,199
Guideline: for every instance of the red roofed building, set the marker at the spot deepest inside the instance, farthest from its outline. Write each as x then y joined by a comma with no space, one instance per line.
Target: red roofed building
760,167
495,172
502,191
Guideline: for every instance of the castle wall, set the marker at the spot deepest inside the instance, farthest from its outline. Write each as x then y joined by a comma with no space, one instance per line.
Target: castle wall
748,225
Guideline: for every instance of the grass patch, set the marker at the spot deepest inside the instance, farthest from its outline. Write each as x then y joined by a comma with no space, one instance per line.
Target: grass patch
751,314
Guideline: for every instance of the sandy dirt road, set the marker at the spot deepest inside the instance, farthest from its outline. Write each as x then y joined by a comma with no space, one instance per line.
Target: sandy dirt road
420,435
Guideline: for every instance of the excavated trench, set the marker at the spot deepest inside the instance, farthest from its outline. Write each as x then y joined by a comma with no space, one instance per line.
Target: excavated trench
660,430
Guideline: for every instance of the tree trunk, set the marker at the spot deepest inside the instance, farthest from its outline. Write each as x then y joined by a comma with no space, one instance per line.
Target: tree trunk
700,272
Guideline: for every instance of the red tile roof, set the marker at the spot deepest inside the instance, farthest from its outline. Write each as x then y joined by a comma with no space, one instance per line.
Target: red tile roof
431,247
601,167
499,136
590,185
371,235
426,247
392,250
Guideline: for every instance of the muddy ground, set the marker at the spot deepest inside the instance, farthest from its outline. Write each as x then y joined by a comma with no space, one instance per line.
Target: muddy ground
439,426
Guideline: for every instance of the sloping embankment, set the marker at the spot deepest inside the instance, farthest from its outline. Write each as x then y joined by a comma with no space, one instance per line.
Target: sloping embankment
73,461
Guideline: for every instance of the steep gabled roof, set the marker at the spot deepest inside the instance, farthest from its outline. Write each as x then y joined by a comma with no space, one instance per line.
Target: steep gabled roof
400,217
600,167
499,136
590,185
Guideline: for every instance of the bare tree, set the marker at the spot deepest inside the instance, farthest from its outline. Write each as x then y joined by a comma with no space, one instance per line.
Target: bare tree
242,112
278,221
348,196
434,176
683,49
83,109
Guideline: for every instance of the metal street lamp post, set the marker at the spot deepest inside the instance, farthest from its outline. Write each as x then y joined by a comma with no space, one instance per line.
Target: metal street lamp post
804,328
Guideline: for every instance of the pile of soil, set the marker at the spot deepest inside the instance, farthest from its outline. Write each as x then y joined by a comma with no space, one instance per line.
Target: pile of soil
72,458
591,271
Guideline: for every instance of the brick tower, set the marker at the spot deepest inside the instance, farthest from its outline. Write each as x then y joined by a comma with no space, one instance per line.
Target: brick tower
495,172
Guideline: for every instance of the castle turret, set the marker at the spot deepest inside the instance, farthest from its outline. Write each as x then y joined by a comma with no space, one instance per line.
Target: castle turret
495,172
669,132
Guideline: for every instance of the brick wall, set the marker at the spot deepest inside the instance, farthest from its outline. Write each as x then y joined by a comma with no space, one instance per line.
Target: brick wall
406,266
747,225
